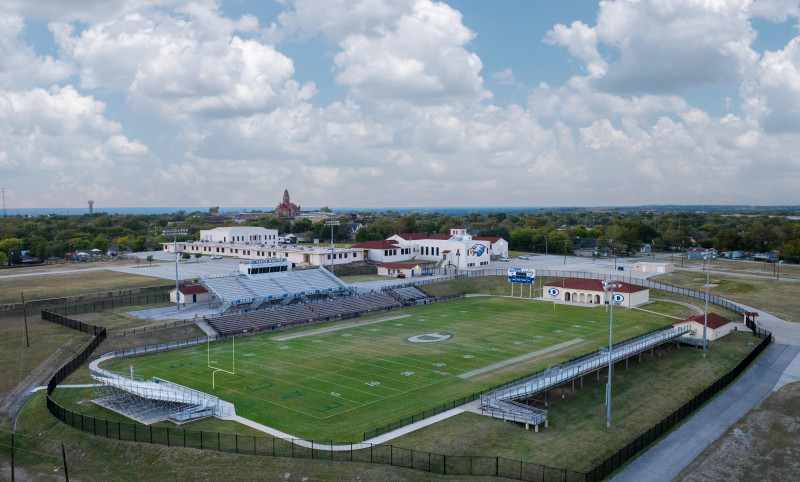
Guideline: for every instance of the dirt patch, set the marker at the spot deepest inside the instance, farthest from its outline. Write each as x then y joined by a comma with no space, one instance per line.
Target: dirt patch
763,445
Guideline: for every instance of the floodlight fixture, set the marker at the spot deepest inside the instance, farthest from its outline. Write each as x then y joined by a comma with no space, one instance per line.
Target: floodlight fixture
175,233
609,285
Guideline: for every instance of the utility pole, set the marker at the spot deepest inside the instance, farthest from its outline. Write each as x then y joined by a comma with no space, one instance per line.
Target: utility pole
25,315
64,458
332,224
4,202
611,283
565,252
175,233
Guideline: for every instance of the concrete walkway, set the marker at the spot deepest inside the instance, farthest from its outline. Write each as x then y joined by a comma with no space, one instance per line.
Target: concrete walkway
669,457
356,445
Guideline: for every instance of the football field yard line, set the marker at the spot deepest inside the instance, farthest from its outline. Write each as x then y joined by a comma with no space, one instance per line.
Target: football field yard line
336,328
373,366
511,361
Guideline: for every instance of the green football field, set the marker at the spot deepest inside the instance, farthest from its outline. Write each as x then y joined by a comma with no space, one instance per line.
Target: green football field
334,381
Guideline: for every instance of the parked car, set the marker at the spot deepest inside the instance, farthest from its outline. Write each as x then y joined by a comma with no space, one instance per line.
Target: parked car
401,275
525,256
505,259
216,256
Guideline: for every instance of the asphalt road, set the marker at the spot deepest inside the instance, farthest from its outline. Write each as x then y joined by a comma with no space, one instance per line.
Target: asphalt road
668,458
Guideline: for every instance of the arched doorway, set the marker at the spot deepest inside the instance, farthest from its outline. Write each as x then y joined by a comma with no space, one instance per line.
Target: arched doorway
597,299
582,298
566,296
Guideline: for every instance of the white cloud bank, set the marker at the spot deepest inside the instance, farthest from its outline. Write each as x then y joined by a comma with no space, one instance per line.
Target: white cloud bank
417,126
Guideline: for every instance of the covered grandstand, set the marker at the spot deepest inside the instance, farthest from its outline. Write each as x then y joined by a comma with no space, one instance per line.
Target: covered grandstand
240,291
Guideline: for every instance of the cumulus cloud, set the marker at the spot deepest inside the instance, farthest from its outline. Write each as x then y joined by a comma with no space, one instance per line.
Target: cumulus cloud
182,67
20,65
416,122
412,50
663,46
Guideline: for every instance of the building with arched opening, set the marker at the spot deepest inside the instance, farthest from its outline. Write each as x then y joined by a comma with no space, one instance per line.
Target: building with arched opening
590,292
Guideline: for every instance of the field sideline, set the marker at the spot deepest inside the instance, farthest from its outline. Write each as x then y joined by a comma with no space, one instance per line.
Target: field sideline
335,384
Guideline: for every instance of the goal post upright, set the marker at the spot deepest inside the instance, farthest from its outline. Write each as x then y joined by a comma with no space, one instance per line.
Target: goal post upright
216,369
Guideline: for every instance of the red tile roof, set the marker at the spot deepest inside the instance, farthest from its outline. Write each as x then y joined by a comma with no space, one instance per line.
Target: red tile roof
193,289
413,236
397,266
594,285
443,237
382,244
491,239
714,320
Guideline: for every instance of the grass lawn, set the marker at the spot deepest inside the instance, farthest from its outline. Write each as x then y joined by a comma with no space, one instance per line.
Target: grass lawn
38,457
363,277
776,297
763,445
45,339
759,268
337,384
118,319
577,438
70,284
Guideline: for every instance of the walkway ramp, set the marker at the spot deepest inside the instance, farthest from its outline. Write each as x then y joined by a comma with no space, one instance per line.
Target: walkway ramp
506,402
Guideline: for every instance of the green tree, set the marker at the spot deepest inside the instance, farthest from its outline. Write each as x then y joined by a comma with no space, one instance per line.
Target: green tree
197,256
3,259
100,242
302,225
12,248
149,259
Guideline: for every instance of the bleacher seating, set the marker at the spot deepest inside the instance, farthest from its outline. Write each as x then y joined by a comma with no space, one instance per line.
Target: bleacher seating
409,294
274,285
345,307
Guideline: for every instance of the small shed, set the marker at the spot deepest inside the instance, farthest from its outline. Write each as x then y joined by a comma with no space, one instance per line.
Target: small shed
654,267
394,269
190,294
716,327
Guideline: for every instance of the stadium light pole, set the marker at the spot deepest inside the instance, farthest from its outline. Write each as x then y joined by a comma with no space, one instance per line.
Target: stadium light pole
706,257
175,233
610,284
331,224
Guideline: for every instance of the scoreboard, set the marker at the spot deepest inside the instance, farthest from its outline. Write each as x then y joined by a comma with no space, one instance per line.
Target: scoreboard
523,276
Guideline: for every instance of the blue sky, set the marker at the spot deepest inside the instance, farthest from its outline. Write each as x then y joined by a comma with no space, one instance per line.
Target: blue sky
399,102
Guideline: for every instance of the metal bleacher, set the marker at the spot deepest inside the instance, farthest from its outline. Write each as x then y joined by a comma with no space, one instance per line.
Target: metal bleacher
235,290
409,294
280,316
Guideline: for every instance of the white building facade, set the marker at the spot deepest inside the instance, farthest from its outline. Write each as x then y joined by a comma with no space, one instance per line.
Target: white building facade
243,235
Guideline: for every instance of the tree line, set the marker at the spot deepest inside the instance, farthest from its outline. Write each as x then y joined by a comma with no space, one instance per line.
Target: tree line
618,231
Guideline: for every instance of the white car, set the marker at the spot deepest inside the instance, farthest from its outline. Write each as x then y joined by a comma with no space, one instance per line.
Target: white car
525,256
505,259
216,256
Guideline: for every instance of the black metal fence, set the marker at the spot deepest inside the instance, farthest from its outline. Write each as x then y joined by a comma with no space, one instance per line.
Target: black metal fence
383,454
279,447
355,270
616,460
110,303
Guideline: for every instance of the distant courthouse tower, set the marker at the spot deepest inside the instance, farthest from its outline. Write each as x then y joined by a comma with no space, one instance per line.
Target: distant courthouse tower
287,208
91,208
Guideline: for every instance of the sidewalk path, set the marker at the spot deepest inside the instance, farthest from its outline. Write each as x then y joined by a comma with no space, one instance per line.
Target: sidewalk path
669,457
